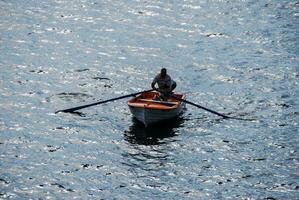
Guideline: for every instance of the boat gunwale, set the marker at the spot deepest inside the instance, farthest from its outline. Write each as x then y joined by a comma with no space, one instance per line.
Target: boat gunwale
155,105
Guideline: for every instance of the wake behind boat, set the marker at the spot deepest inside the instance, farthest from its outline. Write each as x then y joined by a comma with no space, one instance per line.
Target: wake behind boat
148,110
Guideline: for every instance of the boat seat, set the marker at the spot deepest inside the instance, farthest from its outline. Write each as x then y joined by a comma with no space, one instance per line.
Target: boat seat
162,102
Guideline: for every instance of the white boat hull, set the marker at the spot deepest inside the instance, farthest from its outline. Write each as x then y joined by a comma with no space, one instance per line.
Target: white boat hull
149,116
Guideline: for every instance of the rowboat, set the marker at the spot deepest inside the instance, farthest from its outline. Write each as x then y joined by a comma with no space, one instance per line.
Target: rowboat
148,110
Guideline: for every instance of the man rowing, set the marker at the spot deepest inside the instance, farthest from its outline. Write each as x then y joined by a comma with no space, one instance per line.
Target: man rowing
165,83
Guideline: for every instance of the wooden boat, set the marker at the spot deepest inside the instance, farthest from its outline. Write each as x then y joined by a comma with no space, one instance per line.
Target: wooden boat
147,110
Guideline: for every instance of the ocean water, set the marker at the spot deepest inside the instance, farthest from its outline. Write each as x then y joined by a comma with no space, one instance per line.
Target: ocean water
237,57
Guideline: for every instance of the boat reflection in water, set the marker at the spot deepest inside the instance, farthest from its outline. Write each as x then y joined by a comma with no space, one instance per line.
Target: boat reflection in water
154,133
148,153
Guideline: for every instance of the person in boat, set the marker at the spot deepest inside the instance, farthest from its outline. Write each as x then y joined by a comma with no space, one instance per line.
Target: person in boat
165,84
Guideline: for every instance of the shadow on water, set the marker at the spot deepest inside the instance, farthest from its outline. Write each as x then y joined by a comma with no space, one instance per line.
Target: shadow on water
153,134
148,156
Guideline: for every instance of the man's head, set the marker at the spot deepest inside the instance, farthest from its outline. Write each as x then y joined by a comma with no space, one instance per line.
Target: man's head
163,72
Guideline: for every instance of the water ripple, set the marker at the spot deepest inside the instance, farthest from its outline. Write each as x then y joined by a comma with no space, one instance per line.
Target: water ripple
239,58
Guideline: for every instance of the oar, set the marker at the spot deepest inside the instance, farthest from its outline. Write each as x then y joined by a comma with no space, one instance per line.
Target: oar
101,102
207,109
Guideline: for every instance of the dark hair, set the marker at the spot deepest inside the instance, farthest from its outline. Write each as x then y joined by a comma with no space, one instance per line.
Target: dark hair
164,70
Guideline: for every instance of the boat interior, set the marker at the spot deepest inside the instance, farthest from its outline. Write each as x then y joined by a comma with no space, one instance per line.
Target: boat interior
153,99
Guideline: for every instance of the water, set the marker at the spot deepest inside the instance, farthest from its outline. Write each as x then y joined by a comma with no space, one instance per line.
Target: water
238,57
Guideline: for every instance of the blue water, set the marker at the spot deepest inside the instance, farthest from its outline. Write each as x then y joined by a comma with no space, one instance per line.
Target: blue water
236,57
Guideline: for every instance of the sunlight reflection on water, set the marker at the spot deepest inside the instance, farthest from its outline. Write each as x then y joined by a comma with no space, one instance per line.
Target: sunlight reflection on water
236,57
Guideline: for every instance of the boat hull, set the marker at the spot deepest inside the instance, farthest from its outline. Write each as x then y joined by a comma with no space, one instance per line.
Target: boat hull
148,114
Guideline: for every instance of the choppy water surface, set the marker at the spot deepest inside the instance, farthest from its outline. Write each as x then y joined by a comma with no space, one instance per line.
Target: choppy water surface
236,57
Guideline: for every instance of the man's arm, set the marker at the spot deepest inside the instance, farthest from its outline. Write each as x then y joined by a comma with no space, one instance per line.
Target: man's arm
153,85
154,82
